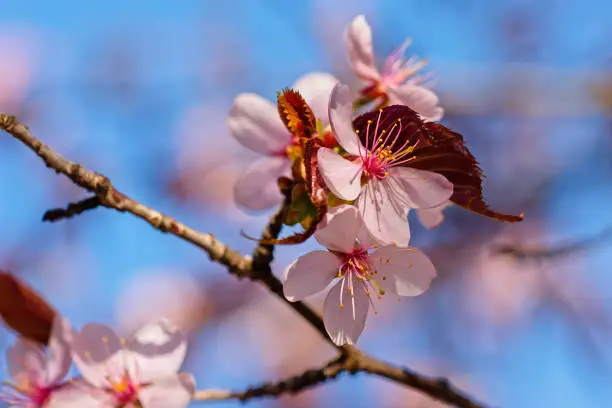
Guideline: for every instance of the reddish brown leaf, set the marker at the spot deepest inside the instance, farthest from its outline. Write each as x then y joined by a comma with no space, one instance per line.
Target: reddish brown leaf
296,114
437,149
25,311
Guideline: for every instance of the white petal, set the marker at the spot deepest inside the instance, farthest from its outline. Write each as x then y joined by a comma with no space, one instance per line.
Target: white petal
257,189
419,188
316,88
171,392
310,274
97,352
79,396
255,124
408,271
341,227
432,217
341,176
26,358
341,119
360,50
387,222
58,351
345,324
159,349
420,99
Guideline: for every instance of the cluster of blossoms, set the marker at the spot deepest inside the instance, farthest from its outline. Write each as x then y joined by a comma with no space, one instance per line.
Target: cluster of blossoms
115,373
353,163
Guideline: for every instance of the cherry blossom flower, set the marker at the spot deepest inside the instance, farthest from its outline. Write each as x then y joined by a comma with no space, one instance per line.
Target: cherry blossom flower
255,124
116,373
396,83
37,375
375,174
362,272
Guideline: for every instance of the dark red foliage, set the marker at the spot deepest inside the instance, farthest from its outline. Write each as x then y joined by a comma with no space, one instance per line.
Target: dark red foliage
437,149
25,311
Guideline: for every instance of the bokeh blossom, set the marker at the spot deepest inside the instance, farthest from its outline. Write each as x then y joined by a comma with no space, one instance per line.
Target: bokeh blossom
37,374
362,272
255,123
396,83
375,172
118,373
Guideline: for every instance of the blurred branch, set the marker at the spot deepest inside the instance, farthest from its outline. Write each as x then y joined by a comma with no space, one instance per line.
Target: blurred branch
541,253
351,359
57,214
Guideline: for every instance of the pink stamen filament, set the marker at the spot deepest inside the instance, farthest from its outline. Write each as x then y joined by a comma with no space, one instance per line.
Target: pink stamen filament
358,273
378,156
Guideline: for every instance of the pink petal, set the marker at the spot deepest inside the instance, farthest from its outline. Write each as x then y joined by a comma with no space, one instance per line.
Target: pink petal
419,188
92,350
159,350
341,119
341,176
316,88
257,188
26,358
58,351
345,324
419,99
170,392
432,217
310,274
255,124
360,50
341,227
388,223
408,271
78,394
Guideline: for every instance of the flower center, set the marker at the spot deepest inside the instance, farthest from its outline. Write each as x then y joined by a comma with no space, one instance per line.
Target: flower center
380,153
25,391
125,390
356,269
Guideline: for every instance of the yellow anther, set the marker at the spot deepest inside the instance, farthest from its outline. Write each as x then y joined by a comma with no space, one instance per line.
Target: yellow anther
357,131
375,245
369,121
104,339
341,306
380,110
410,265
387,260
384,278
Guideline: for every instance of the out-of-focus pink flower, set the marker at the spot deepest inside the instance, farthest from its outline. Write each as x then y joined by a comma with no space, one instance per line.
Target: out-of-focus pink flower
374,176
363,272
255,124
37,375
117,373
178,296
432,217
16,68
396,82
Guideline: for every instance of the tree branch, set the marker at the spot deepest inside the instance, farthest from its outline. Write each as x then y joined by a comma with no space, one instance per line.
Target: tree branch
256,268
291,385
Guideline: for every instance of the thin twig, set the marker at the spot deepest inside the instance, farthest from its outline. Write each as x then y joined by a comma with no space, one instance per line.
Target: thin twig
350,359
291,385
57,214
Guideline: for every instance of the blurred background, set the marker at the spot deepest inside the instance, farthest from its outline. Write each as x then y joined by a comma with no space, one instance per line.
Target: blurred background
520,315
